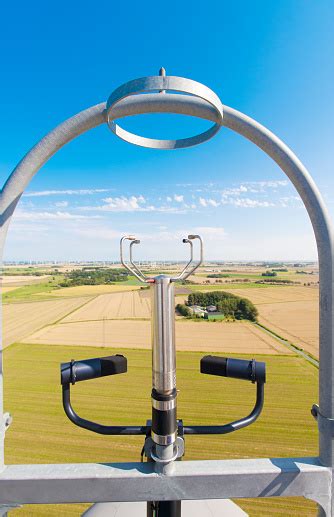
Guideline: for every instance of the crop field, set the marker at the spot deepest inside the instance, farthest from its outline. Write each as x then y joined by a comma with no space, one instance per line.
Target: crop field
92,290
291,312
237,337
278,294
87,321
41,433
84,317
30,290
8,280
126,304
7,289
21,319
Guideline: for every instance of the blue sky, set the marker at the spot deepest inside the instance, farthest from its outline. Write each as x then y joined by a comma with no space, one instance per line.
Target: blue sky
271,60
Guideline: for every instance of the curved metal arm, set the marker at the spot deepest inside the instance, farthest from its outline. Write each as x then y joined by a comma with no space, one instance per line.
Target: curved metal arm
190,261
135,241
232,426
93,426
184,273
134,271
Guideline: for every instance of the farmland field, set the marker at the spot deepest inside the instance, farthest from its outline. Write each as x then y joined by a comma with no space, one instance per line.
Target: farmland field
21,319
22,279
41,433
115,318
126,304
92,290
291,312
237,337
84,313
7,289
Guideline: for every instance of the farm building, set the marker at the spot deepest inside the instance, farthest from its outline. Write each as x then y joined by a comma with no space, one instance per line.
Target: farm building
197,311
214,316
211,308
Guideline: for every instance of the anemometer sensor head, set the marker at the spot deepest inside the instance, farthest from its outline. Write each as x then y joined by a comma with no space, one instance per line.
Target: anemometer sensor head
149,95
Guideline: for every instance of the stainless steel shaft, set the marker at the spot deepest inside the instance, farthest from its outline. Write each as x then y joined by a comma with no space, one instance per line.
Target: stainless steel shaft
164,423
163,335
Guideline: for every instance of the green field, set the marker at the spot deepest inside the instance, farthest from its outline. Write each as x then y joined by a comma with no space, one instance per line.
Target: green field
41,433
39,291
33,271
28,293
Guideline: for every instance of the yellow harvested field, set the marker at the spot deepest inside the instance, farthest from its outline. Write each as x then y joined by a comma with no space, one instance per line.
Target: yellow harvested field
237,337
21,319
297,322
276,294
133,304
90,290
291,312
7,289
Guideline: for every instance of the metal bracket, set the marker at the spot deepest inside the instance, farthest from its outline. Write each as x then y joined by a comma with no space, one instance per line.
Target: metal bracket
325,425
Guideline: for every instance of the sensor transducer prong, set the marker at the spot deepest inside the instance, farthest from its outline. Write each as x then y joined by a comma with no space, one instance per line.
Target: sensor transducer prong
134,270
185,273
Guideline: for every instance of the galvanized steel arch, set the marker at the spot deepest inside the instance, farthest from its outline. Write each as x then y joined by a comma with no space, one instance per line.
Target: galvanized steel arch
260,136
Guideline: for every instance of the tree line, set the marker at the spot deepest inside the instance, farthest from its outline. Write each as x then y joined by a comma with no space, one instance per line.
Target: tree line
227,303
96,276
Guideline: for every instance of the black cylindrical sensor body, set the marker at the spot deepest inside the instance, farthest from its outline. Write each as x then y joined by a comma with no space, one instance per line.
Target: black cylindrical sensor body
164,423
76,371
243,369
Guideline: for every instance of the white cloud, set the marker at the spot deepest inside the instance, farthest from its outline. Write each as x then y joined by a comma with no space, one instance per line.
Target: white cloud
212,202
208,202
235,191
78,192
132,204
34,216
178,198
246,203
262,186
61,204
272,184
121,204
290,201
169,199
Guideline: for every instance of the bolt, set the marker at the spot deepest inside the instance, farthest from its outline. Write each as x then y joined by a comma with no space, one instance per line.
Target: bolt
162,73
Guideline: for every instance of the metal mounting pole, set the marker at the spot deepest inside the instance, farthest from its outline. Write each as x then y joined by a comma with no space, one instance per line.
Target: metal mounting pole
164,423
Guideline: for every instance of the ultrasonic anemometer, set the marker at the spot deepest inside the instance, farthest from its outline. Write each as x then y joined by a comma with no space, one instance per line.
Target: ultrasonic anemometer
164,433
161,483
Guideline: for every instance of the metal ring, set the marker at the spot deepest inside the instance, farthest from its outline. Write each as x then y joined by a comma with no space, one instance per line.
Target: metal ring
164,405
160,84
169,460
166,439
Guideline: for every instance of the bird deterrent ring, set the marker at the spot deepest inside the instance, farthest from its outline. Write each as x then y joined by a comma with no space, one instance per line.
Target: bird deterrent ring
161,84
